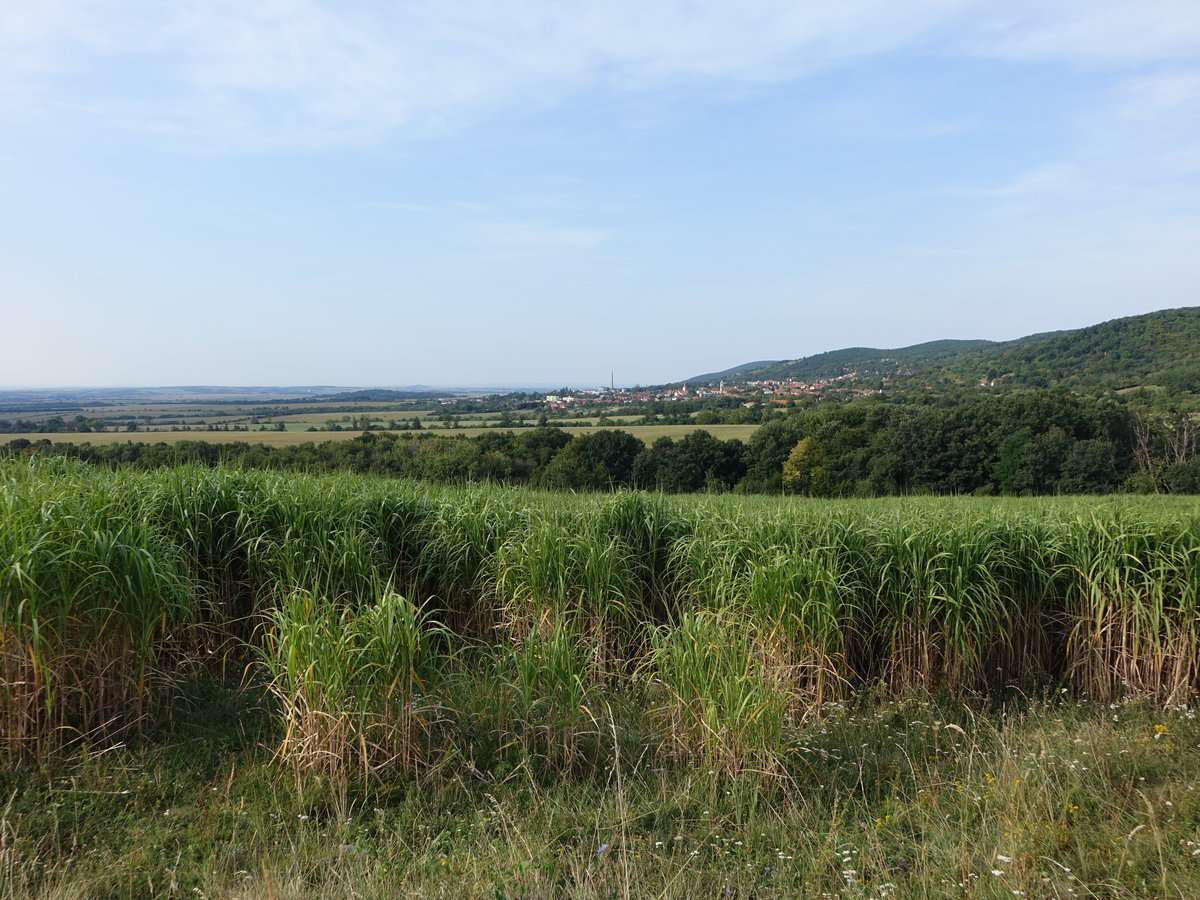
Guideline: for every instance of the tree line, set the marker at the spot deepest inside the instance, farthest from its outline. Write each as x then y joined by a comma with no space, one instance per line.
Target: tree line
1033,442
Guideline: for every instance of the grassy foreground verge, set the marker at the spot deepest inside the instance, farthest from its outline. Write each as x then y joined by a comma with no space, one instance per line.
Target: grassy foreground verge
246,684
901,797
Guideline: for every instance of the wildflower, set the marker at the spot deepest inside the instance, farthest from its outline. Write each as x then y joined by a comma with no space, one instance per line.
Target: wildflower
603,847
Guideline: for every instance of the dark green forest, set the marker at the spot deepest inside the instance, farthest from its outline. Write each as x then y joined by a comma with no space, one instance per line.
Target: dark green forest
1016,442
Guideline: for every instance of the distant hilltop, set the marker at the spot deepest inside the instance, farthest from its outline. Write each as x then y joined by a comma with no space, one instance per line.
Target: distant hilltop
376,395
1158,348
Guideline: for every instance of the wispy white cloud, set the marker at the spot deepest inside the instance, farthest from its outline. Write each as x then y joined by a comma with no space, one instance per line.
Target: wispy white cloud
1094,32
1051,179
1156,117
1172,91
398,205
529,238
312,71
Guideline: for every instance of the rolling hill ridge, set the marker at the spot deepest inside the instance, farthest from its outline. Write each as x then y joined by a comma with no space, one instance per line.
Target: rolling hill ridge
1159,348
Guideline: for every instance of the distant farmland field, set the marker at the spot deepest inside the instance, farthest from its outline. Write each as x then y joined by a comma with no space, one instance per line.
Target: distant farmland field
270,438
648,434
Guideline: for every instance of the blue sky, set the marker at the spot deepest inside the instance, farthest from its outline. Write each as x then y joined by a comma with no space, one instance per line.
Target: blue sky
498,191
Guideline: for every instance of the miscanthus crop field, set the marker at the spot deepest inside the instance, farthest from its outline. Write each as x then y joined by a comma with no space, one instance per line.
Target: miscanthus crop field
244,684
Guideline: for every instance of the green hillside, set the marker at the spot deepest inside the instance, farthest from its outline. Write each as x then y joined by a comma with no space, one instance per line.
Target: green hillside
1160,348
381,395
869,362
737,372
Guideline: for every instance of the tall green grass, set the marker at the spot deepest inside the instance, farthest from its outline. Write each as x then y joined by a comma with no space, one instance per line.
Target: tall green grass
1131,604
397,622
351,680
724,699
95,604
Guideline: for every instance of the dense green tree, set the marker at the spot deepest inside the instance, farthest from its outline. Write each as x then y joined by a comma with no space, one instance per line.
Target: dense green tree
804,470
698,461
767,449
608,454
647,467
540,444
1090,467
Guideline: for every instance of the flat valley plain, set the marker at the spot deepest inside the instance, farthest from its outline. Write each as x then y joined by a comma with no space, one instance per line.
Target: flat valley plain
256,419
646,433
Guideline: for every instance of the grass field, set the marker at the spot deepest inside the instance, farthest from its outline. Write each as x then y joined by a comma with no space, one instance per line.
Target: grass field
248,684
270,438
1041,799
176,409
647,433
155,419
229,409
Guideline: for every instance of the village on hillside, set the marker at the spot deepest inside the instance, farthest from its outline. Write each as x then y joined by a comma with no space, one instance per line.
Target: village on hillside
779,391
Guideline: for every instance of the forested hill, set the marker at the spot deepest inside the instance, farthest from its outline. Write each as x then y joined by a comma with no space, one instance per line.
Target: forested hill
1160,348
738,372
377,395
866,361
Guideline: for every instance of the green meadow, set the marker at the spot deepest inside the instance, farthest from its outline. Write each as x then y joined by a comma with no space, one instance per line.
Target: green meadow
297,434
227,683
